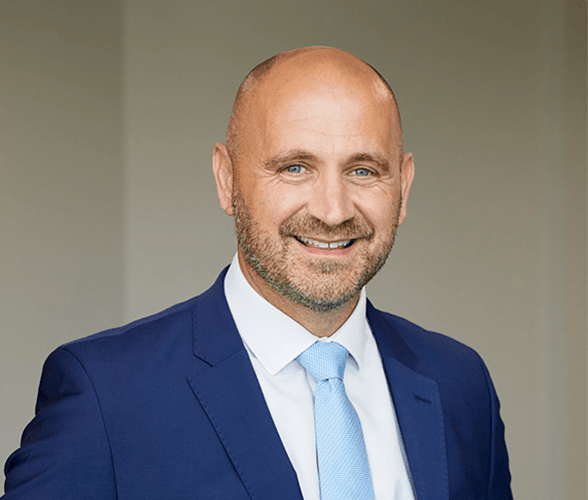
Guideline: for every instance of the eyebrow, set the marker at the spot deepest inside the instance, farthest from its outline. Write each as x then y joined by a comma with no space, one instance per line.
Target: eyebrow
288,157
380,160
300,155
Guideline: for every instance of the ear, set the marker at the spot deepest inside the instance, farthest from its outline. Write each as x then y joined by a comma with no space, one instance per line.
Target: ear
406,177
222,167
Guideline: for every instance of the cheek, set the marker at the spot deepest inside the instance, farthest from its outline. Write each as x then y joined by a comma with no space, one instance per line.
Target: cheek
379,208
271,204
282,201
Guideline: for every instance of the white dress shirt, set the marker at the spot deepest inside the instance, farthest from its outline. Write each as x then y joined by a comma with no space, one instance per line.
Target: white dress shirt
273,341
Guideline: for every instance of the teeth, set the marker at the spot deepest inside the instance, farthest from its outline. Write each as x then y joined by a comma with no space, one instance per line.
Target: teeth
321,244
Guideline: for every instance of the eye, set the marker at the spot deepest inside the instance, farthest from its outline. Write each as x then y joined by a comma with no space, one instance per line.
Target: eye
361,172
295,169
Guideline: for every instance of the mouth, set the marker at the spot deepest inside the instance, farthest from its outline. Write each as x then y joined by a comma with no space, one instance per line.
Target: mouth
324,245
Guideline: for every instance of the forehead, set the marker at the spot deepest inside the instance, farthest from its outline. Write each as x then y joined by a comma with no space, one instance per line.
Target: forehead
309,101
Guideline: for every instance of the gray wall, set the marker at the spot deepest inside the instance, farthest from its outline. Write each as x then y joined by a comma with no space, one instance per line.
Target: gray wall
108,209
61,188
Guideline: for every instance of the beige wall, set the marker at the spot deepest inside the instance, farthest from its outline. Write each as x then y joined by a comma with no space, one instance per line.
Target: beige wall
61,189
493,251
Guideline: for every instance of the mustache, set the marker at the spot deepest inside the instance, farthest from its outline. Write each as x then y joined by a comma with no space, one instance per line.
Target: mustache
311,227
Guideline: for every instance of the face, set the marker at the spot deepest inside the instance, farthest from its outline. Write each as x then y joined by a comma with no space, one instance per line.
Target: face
317,193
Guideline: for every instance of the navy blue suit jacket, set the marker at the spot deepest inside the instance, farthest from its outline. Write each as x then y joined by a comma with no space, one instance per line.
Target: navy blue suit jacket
169,407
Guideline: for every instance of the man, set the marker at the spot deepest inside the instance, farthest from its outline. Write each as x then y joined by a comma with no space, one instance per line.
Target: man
221,396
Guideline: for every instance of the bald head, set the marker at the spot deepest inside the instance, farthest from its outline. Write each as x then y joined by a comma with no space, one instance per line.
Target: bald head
293,70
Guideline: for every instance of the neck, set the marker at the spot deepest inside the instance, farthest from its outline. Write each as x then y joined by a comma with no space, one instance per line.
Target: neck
319,323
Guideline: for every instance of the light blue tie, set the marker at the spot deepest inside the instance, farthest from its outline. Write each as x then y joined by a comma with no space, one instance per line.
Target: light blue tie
344,470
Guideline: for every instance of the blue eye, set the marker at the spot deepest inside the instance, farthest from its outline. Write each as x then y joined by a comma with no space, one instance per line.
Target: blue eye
295,169
361,172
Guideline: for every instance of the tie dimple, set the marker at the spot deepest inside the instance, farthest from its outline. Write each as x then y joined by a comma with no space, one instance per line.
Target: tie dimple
343,466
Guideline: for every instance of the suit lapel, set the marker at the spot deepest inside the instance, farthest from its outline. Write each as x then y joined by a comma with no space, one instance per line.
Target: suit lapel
226,386
418,409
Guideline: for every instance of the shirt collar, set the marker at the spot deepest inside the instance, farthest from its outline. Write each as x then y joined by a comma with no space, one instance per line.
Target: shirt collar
273,337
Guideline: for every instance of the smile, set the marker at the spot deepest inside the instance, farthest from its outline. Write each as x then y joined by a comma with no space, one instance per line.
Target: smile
324,245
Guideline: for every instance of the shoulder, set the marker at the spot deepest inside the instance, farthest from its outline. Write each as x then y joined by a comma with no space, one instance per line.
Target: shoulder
166,331
427,342
138,337
453,365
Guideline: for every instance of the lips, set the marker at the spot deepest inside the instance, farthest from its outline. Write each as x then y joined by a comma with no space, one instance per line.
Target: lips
308,242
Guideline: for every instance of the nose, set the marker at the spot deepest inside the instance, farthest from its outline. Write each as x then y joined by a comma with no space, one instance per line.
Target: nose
330,201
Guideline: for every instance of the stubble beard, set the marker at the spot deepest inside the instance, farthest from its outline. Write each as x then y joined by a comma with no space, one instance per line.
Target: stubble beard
315,283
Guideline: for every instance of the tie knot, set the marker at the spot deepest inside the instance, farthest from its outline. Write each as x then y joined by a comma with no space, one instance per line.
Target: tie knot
324,360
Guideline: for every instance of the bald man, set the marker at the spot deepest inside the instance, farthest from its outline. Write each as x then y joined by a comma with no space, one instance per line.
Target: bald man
222,396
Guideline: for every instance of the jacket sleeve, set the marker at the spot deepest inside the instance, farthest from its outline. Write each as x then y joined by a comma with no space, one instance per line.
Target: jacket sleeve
499,481
65,452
